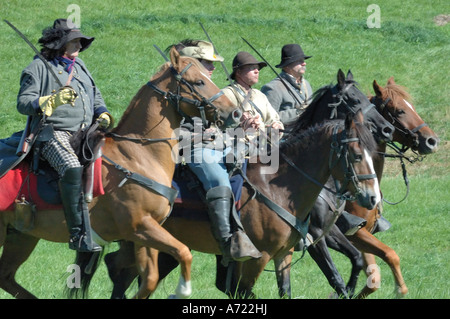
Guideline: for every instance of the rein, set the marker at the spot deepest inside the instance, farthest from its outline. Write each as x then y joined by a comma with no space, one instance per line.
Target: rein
337,146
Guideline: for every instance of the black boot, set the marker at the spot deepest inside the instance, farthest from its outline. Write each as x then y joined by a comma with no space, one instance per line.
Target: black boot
220,204
76,211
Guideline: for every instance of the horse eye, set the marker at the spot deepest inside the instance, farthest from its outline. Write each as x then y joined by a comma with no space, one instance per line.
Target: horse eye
200,83
358,158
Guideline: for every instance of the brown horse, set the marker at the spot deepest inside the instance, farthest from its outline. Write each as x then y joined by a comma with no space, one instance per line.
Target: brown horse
269,228
137,153
412,132
394,103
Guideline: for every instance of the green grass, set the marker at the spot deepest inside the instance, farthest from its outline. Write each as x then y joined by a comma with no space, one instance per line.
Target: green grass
408,46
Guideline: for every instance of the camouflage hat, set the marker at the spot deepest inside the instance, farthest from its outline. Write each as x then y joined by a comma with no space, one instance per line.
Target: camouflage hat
204,50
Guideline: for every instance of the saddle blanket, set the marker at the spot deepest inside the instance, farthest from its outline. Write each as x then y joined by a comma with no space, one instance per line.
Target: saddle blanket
14,184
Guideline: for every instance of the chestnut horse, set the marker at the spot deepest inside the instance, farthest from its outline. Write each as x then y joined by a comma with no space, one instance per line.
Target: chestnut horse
136,154
411,131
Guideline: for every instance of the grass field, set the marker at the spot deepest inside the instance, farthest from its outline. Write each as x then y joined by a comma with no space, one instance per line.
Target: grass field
409,45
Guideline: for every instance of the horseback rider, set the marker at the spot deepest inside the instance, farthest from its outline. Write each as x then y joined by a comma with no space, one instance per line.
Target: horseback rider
290,103
208,162
63,111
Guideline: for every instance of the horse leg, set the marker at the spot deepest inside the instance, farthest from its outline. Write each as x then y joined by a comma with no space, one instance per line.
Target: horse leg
147,263
17,248
122,269
283,273
150,234
321,255
247,273
368,243
337,241
373,274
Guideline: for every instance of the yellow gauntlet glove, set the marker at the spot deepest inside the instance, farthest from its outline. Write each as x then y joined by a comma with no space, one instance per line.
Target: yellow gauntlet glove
105,120
64,95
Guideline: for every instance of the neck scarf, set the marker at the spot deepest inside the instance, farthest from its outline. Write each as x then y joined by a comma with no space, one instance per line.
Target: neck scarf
69,63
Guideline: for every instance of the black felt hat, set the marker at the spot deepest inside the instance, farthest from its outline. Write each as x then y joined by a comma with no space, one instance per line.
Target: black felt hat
61,33
291,53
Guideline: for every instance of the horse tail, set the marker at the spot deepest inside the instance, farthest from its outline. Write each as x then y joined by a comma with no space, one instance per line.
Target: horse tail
87,263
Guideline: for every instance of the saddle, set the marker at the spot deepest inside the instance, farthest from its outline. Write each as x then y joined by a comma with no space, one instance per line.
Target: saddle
31,184
191,200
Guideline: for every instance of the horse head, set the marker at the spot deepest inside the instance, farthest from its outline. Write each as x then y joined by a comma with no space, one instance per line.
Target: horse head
393,102
195,88
350,99
353,148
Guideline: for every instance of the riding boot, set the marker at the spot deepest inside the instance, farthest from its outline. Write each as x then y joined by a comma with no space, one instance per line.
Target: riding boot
236,246
76,211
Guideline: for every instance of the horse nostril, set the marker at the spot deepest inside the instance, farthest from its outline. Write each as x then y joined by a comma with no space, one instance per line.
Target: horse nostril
387,131
432,142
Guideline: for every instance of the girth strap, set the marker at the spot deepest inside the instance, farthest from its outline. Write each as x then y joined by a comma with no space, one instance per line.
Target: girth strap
300,226
168,192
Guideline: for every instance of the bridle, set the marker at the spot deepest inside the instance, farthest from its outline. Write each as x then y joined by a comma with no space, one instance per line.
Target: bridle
340,96
406,133
339,146
200,103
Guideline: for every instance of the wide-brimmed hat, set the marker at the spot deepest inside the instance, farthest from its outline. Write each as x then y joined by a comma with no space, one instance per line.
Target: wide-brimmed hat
245,58
61,33
203,50
291,53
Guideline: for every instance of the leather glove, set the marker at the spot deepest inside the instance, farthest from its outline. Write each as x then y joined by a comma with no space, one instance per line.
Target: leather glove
105,120
65,95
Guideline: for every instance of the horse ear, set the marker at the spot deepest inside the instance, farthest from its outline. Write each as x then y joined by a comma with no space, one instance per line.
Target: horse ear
174,57
391,80
341,78
378,89
349,75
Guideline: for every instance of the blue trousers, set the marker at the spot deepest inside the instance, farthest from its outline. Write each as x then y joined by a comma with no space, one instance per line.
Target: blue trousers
209,166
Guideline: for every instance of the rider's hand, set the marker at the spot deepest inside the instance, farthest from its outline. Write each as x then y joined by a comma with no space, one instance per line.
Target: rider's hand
105,120
249,121
65,95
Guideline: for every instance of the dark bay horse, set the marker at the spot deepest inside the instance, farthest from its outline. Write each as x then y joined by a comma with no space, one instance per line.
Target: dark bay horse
136,154
392,102
329,102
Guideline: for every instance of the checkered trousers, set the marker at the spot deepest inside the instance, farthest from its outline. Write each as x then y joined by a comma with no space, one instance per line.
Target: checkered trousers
59,153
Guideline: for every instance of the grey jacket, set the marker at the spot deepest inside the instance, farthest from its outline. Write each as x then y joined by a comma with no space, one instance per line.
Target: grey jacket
282,100
36,81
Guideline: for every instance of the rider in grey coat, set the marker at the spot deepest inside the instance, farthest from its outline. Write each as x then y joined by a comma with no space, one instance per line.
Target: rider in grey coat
290,103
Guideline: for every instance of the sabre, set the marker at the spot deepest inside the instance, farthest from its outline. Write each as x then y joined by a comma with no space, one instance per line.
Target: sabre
160,52
215,51
281,79
49,68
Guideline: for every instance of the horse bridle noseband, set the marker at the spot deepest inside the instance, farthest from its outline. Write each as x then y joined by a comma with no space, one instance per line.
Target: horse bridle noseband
338,147
176,98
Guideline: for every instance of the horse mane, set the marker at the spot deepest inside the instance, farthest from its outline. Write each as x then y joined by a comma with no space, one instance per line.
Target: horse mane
301,138
305,119
393,90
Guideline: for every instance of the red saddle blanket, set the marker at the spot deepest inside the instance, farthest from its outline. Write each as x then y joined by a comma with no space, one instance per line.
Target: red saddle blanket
14,182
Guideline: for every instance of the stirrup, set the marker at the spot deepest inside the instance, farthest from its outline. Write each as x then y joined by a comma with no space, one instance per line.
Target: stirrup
82,244
242,248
